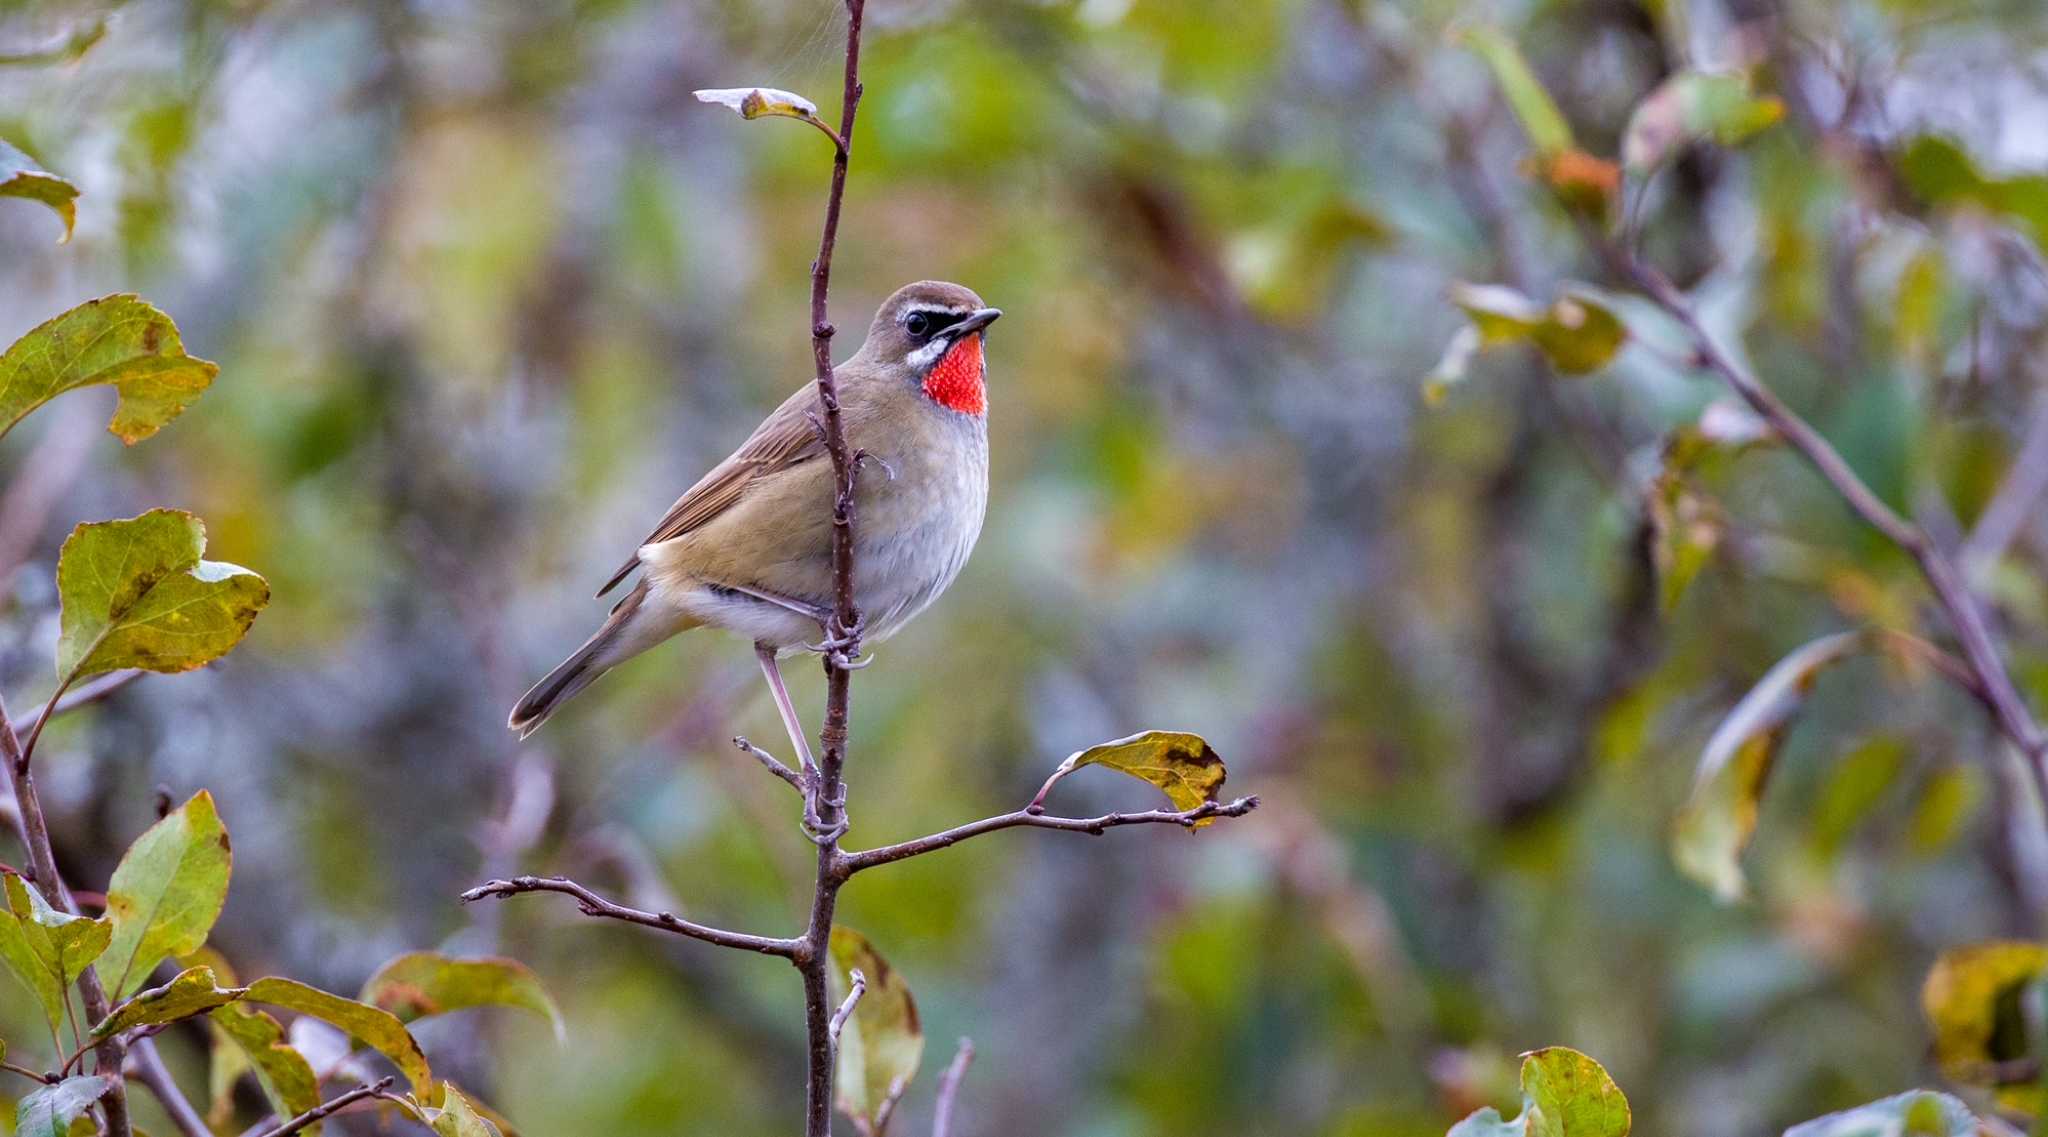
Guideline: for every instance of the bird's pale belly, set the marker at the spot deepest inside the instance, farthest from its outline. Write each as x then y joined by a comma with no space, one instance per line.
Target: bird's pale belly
909,548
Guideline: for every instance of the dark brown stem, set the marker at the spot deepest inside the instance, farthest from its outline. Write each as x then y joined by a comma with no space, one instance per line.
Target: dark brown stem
851,863
43,859
591,904
828,799
327,1108
949,1089
1994,685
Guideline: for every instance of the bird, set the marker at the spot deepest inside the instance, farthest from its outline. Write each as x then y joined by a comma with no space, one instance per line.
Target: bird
748,548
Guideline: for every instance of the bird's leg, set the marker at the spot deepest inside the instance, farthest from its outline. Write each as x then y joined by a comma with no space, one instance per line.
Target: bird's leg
790,722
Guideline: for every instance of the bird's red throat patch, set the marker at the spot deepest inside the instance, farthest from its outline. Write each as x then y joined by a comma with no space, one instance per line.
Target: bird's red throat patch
956,381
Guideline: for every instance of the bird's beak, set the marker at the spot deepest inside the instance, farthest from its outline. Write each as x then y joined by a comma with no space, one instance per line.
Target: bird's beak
975,321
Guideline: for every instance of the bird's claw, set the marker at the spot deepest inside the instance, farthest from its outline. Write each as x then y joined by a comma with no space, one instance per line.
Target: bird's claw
866,455
814,825
841,645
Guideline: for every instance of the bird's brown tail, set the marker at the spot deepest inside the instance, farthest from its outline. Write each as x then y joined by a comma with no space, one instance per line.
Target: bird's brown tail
622,637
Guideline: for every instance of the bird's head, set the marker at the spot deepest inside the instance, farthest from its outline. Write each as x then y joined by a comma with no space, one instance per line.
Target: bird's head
931,333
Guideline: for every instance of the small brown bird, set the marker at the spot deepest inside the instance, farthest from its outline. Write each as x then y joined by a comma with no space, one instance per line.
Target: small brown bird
749,547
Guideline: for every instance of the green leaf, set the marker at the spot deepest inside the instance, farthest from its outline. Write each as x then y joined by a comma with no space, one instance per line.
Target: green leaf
45,948
1548,132
428,983
1576,333
135,593
27,966
1972,999
882,1042
1690,106
66,944
1181,764
380,1029
760,102
21,177
283,1073
1939,172
1720,815
119,341
49,1111
191,992
1564,1094
457,1118
166,892
1917,1113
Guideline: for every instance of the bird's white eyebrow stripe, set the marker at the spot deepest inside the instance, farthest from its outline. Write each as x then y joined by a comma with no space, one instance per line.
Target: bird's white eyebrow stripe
934,309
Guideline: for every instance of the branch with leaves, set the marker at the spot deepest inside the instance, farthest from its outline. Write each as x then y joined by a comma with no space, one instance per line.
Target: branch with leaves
863,1041
136,596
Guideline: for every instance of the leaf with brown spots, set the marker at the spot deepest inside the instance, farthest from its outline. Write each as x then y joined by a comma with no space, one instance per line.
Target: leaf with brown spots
376,1027
1181,764
118,341
166,893
882,1042
1564,1094
136,593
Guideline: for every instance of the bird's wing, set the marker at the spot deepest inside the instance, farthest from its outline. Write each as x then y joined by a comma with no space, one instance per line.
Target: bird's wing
788,437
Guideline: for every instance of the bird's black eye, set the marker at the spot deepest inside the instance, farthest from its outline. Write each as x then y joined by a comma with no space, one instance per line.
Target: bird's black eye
918,324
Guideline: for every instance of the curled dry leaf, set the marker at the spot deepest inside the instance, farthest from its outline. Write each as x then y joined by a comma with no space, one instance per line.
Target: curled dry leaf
21,177
1181,764
759,102
1564,1094
191,992
1719,817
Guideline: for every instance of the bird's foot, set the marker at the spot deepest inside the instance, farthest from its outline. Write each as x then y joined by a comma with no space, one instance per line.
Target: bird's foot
841,645
864,455
814,825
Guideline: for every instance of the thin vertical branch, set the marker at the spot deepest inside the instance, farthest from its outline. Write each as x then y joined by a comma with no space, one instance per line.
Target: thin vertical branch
828,797
949,1089
43,859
